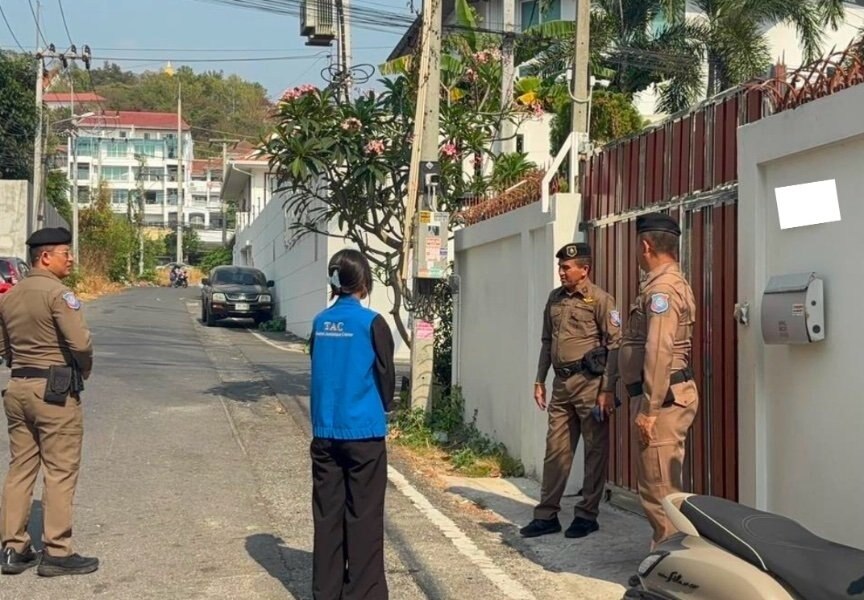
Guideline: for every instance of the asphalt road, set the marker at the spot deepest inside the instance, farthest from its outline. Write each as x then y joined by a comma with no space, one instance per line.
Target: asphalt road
195,481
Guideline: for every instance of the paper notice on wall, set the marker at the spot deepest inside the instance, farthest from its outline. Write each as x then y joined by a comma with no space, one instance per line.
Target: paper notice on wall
807,204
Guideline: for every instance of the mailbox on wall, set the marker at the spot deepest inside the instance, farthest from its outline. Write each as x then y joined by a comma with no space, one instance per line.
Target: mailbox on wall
793,310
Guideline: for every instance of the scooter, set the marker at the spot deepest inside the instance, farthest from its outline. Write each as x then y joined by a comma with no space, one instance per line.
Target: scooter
727,551
181,280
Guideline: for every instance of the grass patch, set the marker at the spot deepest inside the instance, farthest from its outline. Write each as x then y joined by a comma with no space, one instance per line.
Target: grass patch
443,430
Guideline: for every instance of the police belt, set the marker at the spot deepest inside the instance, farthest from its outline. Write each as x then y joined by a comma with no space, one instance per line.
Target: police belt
33,372
636,389
571,369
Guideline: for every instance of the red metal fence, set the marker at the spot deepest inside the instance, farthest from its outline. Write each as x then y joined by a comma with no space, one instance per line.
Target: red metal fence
686,166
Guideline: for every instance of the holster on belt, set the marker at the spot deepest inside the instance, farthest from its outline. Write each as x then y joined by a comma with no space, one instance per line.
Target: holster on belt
636,389
58,384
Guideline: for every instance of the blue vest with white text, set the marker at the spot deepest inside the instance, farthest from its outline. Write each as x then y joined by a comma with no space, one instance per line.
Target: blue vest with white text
346,403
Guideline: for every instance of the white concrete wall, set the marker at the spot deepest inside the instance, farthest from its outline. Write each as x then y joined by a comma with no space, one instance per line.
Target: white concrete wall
800,407
299,272
507,268
536,145
785,47
13,218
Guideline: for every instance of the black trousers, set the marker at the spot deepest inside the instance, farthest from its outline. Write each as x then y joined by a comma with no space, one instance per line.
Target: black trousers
349,479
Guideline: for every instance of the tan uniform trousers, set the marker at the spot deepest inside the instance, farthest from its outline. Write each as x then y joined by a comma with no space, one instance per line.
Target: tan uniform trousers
50,435
661,463
569,413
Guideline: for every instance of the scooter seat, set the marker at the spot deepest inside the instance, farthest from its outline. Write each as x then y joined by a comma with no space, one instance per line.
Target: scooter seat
815,568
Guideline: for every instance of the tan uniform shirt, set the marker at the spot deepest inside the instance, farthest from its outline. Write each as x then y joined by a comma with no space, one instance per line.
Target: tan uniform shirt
575,323
41,324
658,337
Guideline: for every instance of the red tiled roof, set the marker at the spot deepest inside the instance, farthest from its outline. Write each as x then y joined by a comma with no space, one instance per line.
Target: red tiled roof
63,97
141,120
200,165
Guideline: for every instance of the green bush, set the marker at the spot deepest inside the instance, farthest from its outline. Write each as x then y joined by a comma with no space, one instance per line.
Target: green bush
275,324
470,452
216,258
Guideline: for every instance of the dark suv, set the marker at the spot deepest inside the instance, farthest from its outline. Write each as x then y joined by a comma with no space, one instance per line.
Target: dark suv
236,292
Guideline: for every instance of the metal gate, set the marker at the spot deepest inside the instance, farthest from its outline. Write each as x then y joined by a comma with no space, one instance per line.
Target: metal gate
686,166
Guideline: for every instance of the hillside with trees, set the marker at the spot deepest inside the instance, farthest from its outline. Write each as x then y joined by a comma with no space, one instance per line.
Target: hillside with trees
214,104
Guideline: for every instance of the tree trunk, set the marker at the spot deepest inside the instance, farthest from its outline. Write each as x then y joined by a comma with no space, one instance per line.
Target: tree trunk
396,285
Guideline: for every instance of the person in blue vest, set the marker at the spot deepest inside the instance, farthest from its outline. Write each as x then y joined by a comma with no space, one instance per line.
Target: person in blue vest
353,383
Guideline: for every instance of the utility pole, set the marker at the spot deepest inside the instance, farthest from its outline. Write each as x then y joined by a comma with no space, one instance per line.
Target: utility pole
179,172
344,60
581,90
507,132
73,179
224,143
424,176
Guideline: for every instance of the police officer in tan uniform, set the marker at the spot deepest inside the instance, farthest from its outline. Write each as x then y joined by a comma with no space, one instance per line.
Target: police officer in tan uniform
581,335
45,341
655,367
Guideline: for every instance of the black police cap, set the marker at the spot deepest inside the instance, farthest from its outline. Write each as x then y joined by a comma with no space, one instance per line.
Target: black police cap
577,250
657,222
50,236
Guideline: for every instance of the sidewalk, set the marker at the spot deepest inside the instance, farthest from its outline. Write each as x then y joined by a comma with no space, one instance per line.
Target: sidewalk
596,567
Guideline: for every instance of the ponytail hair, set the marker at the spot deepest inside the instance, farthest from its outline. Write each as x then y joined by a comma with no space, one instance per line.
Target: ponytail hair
349,273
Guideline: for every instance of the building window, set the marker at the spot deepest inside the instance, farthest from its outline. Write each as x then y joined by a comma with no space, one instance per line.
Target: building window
115,173
124,134
199,200
146,136
533,13
85,146
83,171
171,197
83,195
152,197
119,196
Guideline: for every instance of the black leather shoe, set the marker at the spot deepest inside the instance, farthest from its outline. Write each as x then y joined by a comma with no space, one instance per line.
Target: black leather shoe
580,527
539,527
53,566
14,562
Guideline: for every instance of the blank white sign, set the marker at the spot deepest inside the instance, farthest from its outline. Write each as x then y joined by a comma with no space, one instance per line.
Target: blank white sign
807,204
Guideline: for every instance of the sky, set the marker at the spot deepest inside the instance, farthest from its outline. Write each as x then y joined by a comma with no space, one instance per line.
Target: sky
144,35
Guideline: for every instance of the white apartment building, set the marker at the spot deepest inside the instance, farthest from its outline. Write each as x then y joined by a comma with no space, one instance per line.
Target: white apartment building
128,149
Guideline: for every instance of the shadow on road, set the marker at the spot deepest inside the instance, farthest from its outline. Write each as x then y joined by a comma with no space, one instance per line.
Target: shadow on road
241,391
291,567
34,527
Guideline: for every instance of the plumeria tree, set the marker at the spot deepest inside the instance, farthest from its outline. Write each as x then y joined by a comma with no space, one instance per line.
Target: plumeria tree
343,163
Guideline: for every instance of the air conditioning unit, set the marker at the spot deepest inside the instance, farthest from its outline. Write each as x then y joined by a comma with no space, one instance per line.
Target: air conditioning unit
318,20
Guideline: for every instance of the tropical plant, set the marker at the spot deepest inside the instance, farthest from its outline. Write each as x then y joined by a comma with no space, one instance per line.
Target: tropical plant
344,163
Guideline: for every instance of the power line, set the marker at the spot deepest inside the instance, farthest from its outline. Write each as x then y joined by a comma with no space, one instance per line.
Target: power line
214,60
9,27
208,49
65,25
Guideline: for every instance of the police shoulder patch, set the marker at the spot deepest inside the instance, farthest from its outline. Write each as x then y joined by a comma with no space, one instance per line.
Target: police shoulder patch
659,303
615,318
71,300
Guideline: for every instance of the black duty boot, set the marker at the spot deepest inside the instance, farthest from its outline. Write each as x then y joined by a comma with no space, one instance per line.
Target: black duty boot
14,562
52,566
539,527
580,527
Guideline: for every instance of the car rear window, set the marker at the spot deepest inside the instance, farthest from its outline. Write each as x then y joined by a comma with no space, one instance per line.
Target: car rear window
237,277
6,268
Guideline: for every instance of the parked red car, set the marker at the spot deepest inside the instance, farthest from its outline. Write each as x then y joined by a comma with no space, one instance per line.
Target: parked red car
12,270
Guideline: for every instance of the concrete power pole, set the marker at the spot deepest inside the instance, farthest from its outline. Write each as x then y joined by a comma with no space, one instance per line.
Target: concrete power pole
224,143
507,132
37,146
424,176
581,83
179,172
